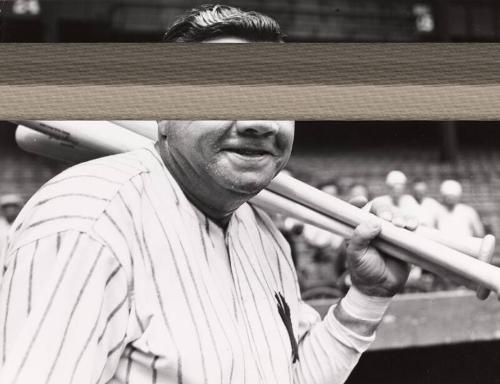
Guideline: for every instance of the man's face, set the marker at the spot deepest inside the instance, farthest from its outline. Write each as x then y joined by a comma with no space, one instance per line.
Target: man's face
239,156
398,190
420,190
451,200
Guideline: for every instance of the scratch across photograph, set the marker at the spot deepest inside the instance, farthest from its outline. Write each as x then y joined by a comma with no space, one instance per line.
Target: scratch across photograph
249,260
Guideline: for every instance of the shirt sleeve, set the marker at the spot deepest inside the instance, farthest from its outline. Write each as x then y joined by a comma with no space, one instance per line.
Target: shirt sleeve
64,309
328,351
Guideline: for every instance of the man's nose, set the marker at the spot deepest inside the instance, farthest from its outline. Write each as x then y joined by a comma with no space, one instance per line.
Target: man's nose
257,127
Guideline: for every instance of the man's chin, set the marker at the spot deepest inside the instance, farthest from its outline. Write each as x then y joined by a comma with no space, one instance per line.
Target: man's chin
249,186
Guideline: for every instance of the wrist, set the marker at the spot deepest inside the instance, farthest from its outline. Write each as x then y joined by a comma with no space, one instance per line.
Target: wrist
360,313
365,307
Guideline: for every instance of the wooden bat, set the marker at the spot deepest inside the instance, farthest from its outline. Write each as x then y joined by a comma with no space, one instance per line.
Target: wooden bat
54,148
399,242
147,129
102,137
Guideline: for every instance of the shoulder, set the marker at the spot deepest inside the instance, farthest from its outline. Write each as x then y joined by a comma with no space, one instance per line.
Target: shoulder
76,198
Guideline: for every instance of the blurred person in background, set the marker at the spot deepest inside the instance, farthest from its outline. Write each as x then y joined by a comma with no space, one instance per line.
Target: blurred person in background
359,190
10,206
397,195
429,208
457,219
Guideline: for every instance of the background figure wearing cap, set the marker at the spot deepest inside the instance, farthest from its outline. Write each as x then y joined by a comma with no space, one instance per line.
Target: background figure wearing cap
397,196
10,205
429,208
457,219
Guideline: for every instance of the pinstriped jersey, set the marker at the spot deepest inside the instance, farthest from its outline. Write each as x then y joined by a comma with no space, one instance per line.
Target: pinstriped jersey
109,278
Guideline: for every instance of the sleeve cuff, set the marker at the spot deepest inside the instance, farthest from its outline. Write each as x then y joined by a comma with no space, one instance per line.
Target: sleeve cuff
364,307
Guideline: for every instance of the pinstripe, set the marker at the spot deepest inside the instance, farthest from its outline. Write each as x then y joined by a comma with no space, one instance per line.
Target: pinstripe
162,308
318,361
75,305
141,326
212,304
327,357
49,305
74,194
124,163
111,352
305,366
278,263
58,242
183,287
207,225
249,332
263,255
109,166
111,315
155,372
261,322
283,252
30,284
125,240
113,274
95,177
129,365
134,228
166,173
223,332
205,315
271,303
87,342
63,217
202,235
7,306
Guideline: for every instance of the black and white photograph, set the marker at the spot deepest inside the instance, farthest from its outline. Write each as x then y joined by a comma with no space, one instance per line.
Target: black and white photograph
292,250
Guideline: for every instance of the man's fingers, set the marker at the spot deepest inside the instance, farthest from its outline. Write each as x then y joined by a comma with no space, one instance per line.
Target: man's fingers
395,216
382,209
362,235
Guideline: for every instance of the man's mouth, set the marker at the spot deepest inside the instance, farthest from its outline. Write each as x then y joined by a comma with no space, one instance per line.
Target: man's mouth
249,152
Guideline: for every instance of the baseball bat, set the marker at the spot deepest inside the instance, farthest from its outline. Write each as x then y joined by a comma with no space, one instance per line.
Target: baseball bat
44,145
144,128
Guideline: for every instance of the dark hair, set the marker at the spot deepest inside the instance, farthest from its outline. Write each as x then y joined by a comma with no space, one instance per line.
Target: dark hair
212,21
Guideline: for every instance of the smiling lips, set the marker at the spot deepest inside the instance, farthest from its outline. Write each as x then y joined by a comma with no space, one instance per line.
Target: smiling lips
250,152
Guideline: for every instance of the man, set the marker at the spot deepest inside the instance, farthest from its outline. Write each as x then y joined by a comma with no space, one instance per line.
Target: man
456,218
429,208
397,197
10,205
150,267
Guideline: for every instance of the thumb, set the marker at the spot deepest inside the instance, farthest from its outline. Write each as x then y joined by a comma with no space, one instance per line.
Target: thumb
362,235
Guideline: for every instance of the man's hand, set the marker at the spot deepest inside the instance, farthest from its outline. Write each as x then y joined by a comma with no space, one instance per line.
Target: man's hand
373,273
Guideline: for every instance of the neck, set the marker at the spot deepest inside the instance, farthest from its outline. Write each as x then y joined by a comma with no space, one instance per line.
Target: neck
218,205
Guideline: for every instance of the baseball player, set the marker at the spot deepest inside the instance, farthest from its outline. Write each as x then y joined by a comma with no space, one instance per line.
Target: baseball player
151,267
